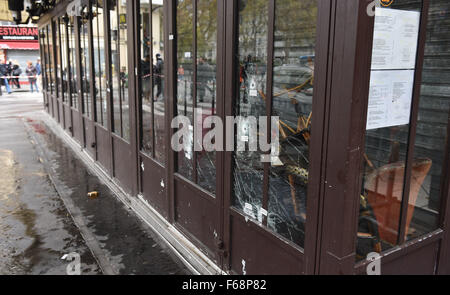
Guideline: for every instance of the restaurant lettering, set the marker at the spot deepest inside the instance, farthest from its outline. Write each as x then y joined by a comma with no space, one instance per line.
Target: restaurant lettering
18,33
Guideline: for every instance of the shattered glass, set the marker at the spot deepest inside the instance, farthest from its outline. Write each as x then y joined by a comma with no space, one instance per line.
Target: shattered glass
293,83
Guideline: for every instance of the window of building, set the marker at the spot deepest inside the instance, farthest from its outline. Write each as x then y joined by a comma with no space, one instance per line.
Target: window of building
73,78
275,193
119,68
58,59
64,59
197,84
402,176
85,61
153,81
99,62
44,50
431,140
52,60
50,63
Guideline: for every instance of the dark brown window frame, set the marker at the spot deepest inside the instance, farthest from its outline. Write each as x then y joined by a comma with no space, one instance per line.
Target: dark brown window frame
345,111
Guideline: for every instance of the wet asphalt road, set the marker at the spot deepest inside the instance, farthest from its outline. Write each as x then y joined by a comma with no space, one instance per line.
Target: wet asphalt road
38,172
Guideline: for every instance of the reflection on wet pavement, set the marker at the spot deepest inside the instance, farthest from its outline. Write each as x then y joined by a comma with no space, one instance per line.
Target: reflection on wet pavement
35,229
130,247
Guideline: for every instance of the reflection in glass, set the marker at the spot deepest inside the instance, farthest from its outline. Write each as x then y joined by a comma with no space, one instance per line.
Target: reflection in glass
73,63
51,69
152,81
384,176
99,63
206,84
382,191
41,46
119,69
295,35
159,77
197,85
432,127
46,76
85,65
58,57
64,58
185,89
248,171
146,83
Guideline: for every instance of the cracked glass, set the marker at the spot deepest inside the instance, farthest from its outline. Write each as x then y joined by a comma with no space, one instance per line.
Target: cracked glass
197,85
274,194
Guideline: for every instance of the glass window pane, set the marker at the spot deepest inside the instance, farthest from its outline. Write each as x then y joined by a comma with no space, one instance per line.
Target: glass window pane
73,62
294,55
85,64
58,58
385,154
64,59
185,88
43,64
99,63
119,69
52,70
432,127
248,171
206,84
44,42
159,78
147,81
152,81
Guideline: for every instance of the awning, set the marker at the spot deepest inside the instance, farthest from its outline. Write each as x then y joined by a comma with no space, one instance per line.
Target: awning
20,45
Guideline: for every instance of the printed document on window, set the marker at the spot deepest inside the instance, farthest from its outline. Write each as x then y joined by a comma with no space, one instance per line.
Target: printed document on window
395,41
390,98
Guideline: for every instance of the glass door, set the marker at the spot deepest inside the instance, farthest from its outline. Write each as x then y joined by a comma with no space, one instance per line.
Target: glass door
121,72
87,83
277,111
198,103
100,84
405,167
74,77
63,36
153,102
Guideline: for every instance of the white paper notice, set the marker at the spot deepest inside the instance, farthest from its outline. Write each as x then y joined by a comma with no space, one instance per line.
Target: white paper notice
390,98
395,39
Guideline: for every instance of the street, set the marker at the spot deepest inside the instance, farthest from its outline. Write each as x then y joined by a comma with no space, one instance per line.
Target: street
45,211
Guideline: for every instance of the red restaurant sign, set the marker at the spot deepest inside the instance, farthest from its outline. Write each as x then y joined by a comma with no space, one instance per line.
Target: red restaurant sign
18,34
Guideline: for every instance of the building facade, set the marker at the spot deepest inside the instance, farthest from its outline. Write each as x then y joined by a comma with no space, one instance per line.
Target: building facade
19,45
362,100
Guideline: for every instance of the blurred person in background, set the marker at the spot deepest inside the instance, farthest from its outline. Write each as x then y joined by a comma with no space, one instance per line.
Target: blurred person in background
39,72
4,75
15,74
9,67
159,72
32,76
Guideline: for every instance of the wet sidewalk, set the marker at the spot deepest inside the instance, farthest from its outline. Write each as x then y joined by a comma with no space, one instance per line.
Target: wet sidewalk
45,211
35,229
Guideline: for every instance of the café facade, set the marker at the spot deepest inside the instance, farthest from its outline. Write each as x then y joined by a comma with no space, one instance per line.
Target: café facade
361,94
19,44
